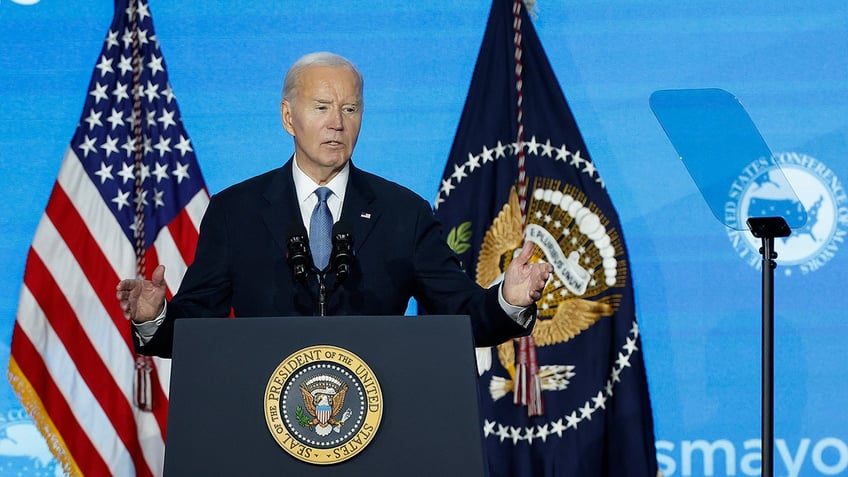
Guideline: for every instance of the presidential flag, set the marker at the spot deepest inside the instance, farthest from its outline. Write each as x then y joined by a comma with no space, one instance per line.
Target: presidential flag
573,399
129,195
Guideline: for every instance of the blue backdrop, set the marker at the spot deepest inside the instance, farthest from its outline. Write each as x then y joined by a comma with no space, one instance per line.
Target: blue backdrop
697,283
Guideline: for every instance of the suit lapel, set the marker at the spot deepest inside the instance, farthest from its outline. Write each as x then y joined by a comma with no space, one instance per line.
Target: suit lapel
280,210
360,210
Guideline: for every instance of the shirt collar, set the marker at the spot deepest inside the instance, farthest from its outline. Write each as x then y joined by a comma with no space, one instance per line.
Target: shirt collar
305,186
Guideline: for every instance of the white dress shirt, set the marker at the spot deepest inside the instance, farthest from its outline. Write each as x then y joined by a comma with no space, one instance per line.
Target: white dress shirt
305,187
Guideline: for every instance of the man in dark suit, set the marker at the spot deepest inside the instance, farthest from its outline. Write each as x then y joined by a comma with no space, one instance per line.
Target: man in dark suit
240,266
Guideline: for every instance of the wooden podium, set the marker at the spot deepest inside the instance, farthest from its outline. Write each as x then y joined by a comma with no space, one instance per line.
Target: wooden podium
425,366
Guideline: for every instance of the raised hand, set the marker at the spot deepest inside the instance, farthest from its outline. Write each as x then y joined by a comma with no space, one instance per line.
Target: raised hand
525,281
143,300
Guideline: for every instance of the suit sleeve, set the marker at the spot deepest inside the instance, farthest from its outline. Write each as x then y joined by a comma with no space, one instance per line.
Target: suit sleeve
444,288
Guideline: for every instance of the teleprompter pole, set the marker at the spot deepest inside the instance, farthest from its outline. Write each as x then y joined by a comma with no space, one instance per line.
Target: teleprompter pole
767,228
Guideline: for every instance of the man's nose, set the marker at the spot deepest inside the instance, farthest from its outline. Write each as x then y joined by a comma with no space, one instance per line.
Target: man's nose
336,120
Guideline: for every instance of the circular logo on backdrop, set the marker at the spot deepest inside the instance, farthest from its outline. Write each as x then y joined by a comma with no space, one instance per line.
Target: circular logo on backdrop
818,191
323,404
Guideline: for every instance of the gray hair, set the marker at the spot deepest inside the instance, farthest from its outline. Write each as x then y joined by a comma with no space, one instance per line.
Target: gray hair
321,58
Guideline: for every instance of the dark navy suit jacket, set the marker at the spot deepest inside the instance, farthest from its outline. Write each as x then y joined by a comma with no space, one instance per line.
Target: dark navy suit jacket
240,264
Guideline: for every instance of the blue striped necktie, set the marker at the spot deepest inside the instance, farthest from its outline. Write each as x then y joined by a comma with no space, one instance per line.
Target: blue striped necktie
320,229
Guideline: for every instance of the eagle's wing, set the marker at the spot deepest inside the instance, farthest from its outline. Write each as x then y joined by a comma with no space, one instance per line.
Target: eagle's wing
338,399
502,238
572,317
308,402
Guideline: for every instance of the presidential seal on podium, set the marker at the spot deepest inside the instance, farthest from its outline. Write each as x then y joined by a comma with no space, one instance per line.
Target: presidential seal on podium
323,404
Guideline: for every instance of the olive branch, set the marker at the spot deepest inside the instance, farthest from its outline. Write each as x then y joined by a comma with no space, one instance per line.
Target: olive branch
301,416
459,238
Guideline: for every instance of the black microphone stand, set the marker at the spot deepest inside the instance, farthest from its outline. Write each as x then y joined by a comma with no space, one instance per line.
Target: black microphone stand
341,256
767,228
322,290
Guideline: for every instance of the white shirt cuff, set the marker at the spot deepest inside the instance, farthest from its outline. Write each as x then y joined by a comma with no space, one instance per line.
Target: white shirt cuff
522,315
145,331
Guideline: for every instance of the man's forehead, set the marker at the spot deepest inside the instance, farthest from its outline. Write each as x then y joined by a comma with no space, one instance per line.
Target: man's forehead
318,79
328,73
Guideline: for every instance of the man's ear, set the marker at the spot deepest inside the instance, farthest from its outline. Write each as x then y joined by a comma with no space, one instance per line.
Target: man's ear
286,116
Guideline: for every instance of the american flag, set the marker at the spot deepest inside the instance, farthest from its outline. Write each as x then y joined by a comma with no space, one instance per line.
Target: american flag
129,195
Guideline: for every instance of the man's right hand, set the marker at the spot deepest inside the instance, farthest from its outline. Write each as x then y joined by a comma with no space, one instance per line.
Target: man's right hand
143,300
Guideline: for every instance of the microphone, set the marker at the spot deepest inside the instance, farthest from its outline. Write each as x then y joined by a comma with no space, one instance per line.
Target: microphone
298,255
341,256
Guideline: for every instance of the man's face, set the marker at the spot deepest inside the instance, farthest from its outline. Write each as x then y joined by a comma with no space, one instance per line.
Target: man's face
324,118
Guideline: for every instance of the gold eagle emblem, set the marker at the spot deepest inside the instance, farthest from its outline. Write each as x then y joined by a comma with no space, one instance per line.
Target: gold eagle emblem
323,398
562,314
